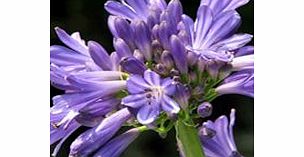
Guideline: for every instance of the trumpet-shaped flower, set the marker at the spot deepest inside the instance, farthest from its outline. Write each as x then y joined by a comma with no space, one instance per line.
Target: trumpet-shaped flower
217,137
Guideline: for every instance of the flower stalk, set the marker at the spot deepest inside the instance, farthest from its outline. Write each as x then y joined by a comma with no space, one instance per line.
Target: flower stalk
188,140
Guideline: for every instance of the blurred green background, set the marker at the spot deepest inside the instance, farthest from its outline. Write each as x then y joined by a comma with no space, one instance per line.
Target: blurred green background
90,19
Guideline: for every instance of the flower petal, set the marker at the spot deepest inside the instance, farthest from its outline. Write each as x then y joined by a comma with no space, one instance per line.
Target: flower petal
136,84
239,63
71,42
63,56
169,105
143,38
135,101
133,66
152,78
100,55
224,24
202,25
246,50
178,52
140,7
119,9
169,85
232,43
118,144
108,87
122,48
148,114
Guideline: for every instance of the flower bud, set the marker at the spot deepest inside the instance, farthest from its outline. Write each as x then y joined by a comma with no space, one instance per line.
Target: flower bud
182,95
201,63
138,55
133,66
204,110
167,59
160,68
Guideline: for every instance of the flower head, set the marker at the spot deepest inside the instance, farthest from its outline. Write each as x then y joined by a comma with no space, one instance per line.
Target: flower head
217,137
163,62
151,95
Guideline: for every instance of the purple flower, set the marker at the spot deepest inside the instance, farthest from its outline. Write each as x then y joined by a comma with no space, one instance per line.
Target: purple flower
209,39
241,82
79,70
117,145
160,53
217,137
92,139
150,94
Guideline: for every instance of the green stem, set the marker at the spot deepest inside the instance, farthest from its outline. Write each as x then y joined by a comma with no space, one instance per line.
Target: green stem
188,140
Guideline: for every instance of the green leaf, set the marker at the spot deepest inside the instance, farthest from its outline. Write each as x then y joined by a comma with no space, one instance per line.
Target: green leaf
188,140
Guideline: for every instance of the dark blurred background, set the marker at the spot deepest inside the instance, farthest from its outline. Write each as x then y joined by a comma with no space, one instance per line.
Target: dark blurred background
90,19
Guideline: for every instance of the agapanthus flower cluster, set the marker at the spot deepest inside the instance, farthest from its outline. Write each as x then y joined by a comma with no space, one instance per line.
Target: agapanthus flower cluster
165,67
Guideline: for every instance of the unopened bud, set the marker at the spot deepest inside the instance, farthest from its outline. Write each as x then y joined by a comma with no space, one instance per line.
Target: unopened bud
204,110
167,59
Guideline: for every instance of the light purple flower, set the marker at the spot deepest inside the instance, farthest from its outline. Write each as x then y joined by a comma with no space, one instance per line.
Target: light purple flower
241,82
150,95
217,137
92,139
155,45
79,70
211,35
117,145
